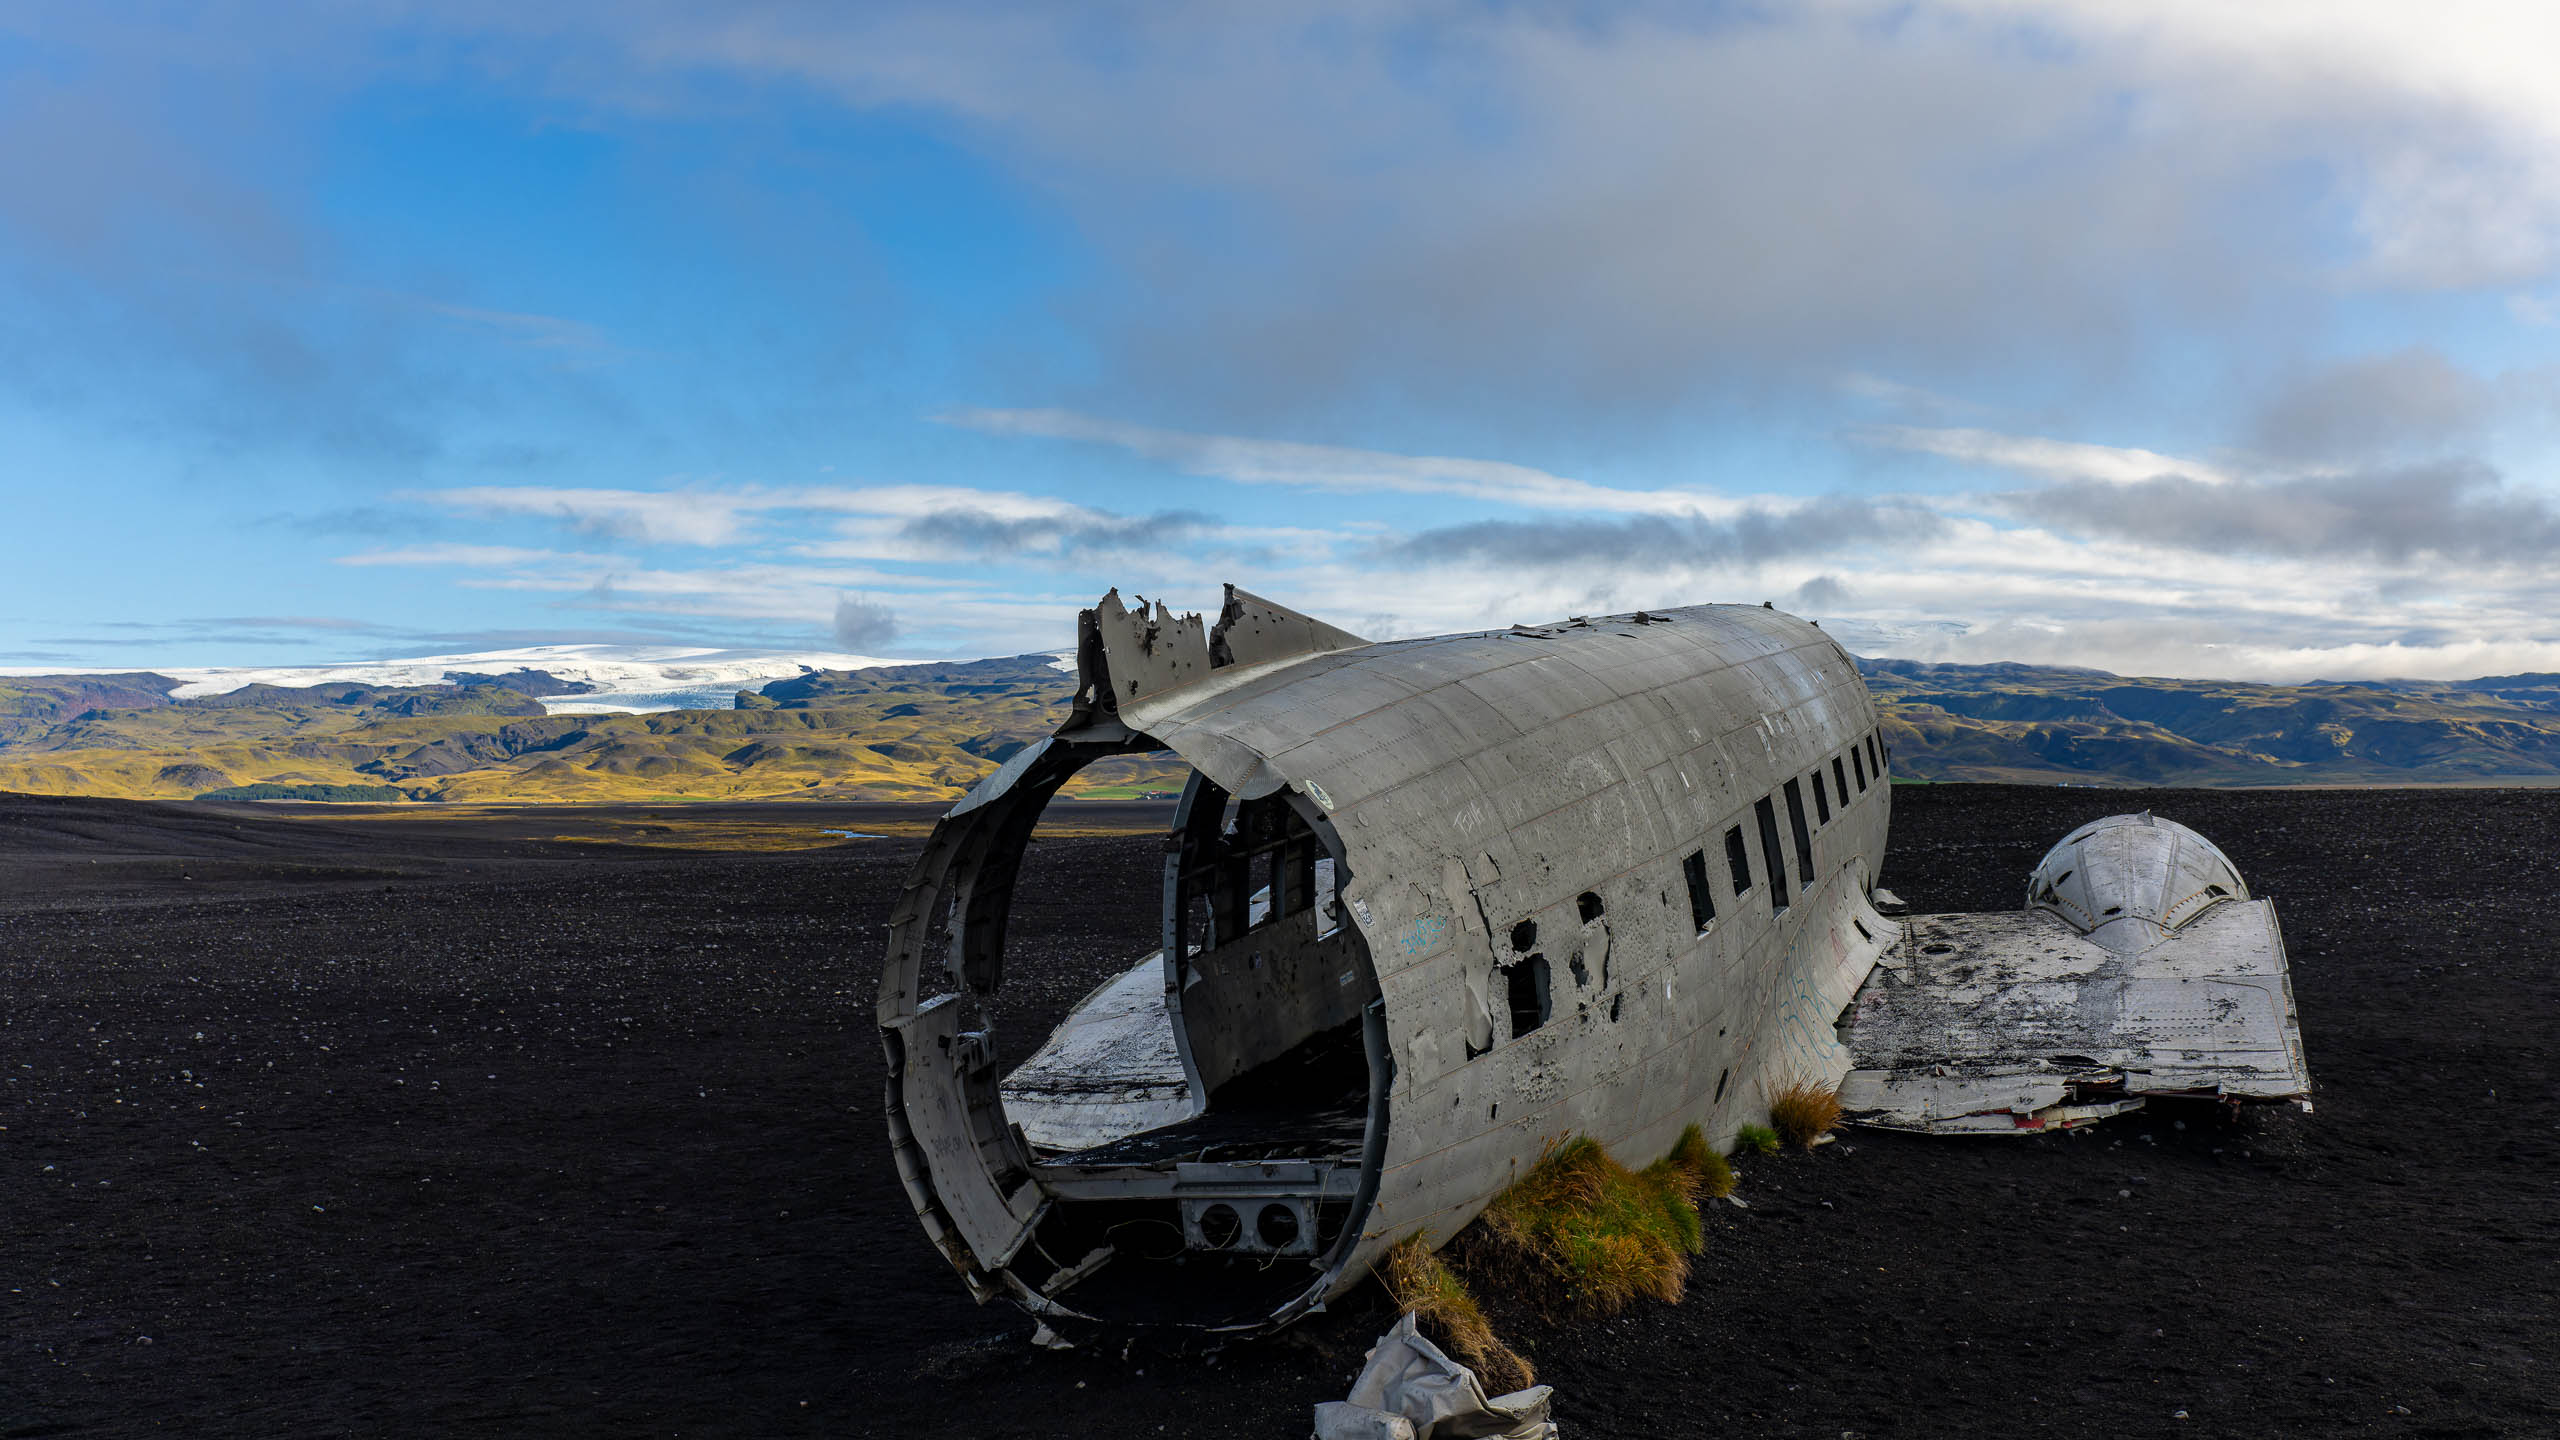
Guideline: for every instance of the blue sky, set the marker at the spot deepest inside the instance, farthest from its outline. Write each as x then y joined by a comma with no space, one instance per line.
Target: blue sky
2183,339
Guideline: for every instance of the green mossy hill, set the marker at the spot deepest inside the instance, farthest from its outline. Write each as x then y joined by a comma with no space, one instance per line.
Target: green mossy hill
2045,723
922,732
33,704
928,732
474,699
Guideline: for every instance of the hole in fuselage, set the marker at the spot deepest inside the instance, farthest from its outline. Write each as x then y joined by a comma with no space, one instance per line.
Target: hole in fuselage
1277,1225
1220,1226
1242,1063
1530,1001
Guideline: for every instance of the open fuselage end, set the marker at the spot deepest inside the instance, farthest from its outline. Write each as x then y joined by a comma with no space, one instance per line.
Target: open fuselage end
1430,906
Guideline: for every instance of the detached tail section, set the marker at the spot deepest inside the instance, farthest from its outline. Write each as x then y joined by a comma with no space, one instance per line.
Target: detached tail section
2141,967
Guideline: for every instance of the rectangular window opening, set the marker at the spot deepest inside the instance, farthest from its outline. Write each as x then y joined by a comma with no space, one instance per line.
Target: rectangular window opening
1858,764
1804,839
1301,867
1875,755
1840,781
1772,860
1737,860
1702,906
1530,1005
1821,799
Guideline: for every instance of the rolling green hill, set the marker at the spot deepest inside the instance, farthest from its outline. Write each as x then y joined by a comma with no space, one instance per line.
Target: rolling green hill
928,732
916,732
2047,723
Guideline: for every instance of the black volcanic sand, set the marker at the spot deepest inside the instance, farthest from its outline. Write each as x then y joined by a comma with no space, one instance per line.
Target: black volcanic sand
421,1130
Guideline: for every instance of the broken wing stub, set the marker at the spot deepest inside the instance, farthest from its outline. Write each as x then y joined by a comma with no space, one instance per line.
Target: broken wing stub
2140,968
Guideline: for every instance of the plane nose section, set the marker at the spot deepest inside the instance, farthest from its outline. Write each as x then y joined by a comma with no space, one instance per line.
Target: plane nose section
2129,881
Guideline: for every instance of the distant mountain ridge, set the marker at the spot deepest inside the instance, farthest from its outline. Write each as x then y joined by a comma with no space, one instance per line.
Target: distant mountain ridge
929,730
2043,723
889,732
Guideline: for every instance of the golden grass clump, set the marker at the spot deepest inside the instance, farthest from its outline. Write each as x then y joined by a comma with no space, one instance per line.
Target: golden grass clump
1803,1112
1588,1236
1423,1285
1712,1177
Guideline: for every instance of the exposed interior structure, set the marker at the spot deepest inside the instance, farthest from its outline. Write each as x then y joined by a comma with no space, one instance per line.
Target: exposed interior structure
1194,1145
1430,905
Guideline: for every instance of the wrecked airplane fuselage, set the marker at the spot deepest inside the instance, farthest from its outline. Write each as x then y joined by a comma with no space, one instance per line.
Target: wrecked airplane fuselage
1429,905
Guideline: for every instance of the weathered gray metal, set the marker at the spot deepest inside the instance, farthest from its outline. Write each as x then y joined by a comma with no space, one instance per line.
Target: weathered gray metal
1432,905
1533,825
2141,968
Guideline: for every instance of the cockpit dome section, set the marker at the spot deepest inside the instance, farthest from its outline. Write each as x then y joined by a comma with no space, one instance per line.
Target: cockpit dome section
2129,881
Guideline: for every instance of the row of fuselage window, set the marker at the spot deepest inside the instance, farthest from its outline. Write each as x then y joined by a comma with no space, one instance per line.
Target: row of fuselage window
1861,764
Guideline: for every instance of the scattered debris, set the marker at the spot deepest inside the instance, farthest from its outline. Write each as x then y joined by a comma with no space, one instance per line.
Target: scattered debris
1410,1390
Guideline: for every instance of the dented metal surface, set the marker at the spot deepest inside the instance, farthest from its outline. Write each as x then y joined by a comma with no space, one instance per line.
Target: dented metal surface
1428,905
2140,968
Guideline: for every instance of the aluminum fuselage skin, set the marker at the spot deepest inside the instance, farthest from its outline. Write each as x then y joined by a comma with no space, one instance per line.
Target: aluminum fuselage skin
1561,792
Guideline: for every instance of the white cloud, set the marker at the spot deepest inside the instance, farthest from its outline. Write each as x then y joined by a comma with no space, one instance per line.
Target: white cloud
2041,457
1341,468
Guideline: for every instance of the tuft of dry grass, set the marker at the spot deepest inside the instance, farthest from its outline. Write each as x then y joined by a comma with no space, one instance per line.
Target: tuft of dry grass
1423,1285
1803,1112
1585,1236
1711,1177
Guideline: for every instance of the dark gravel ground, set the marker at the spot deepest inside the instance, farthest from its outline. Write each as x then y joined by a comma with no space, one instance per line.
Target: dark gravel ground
314,1128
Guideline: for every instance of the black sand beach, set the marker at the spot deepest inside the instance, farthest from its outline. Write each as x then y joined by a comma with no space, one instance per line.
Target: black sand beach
379,1123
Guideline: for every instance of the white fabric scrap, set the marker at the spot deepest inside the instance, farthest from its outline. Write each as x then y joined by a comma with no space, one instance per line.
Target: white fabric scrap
1410,1390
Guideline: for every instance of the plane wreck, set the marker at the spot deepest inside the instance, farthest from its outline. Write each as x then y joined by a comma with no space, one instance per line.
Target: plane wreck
1431,904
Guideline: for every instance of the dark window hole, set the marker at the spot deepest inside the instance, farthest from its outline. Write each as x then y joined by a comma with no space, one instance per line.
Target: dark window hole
1737,860
1581,972
1524,936
1587,905
1821,801
1220,1225
1277,1225
1772,860
1530,1005
1804,840
1702,906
